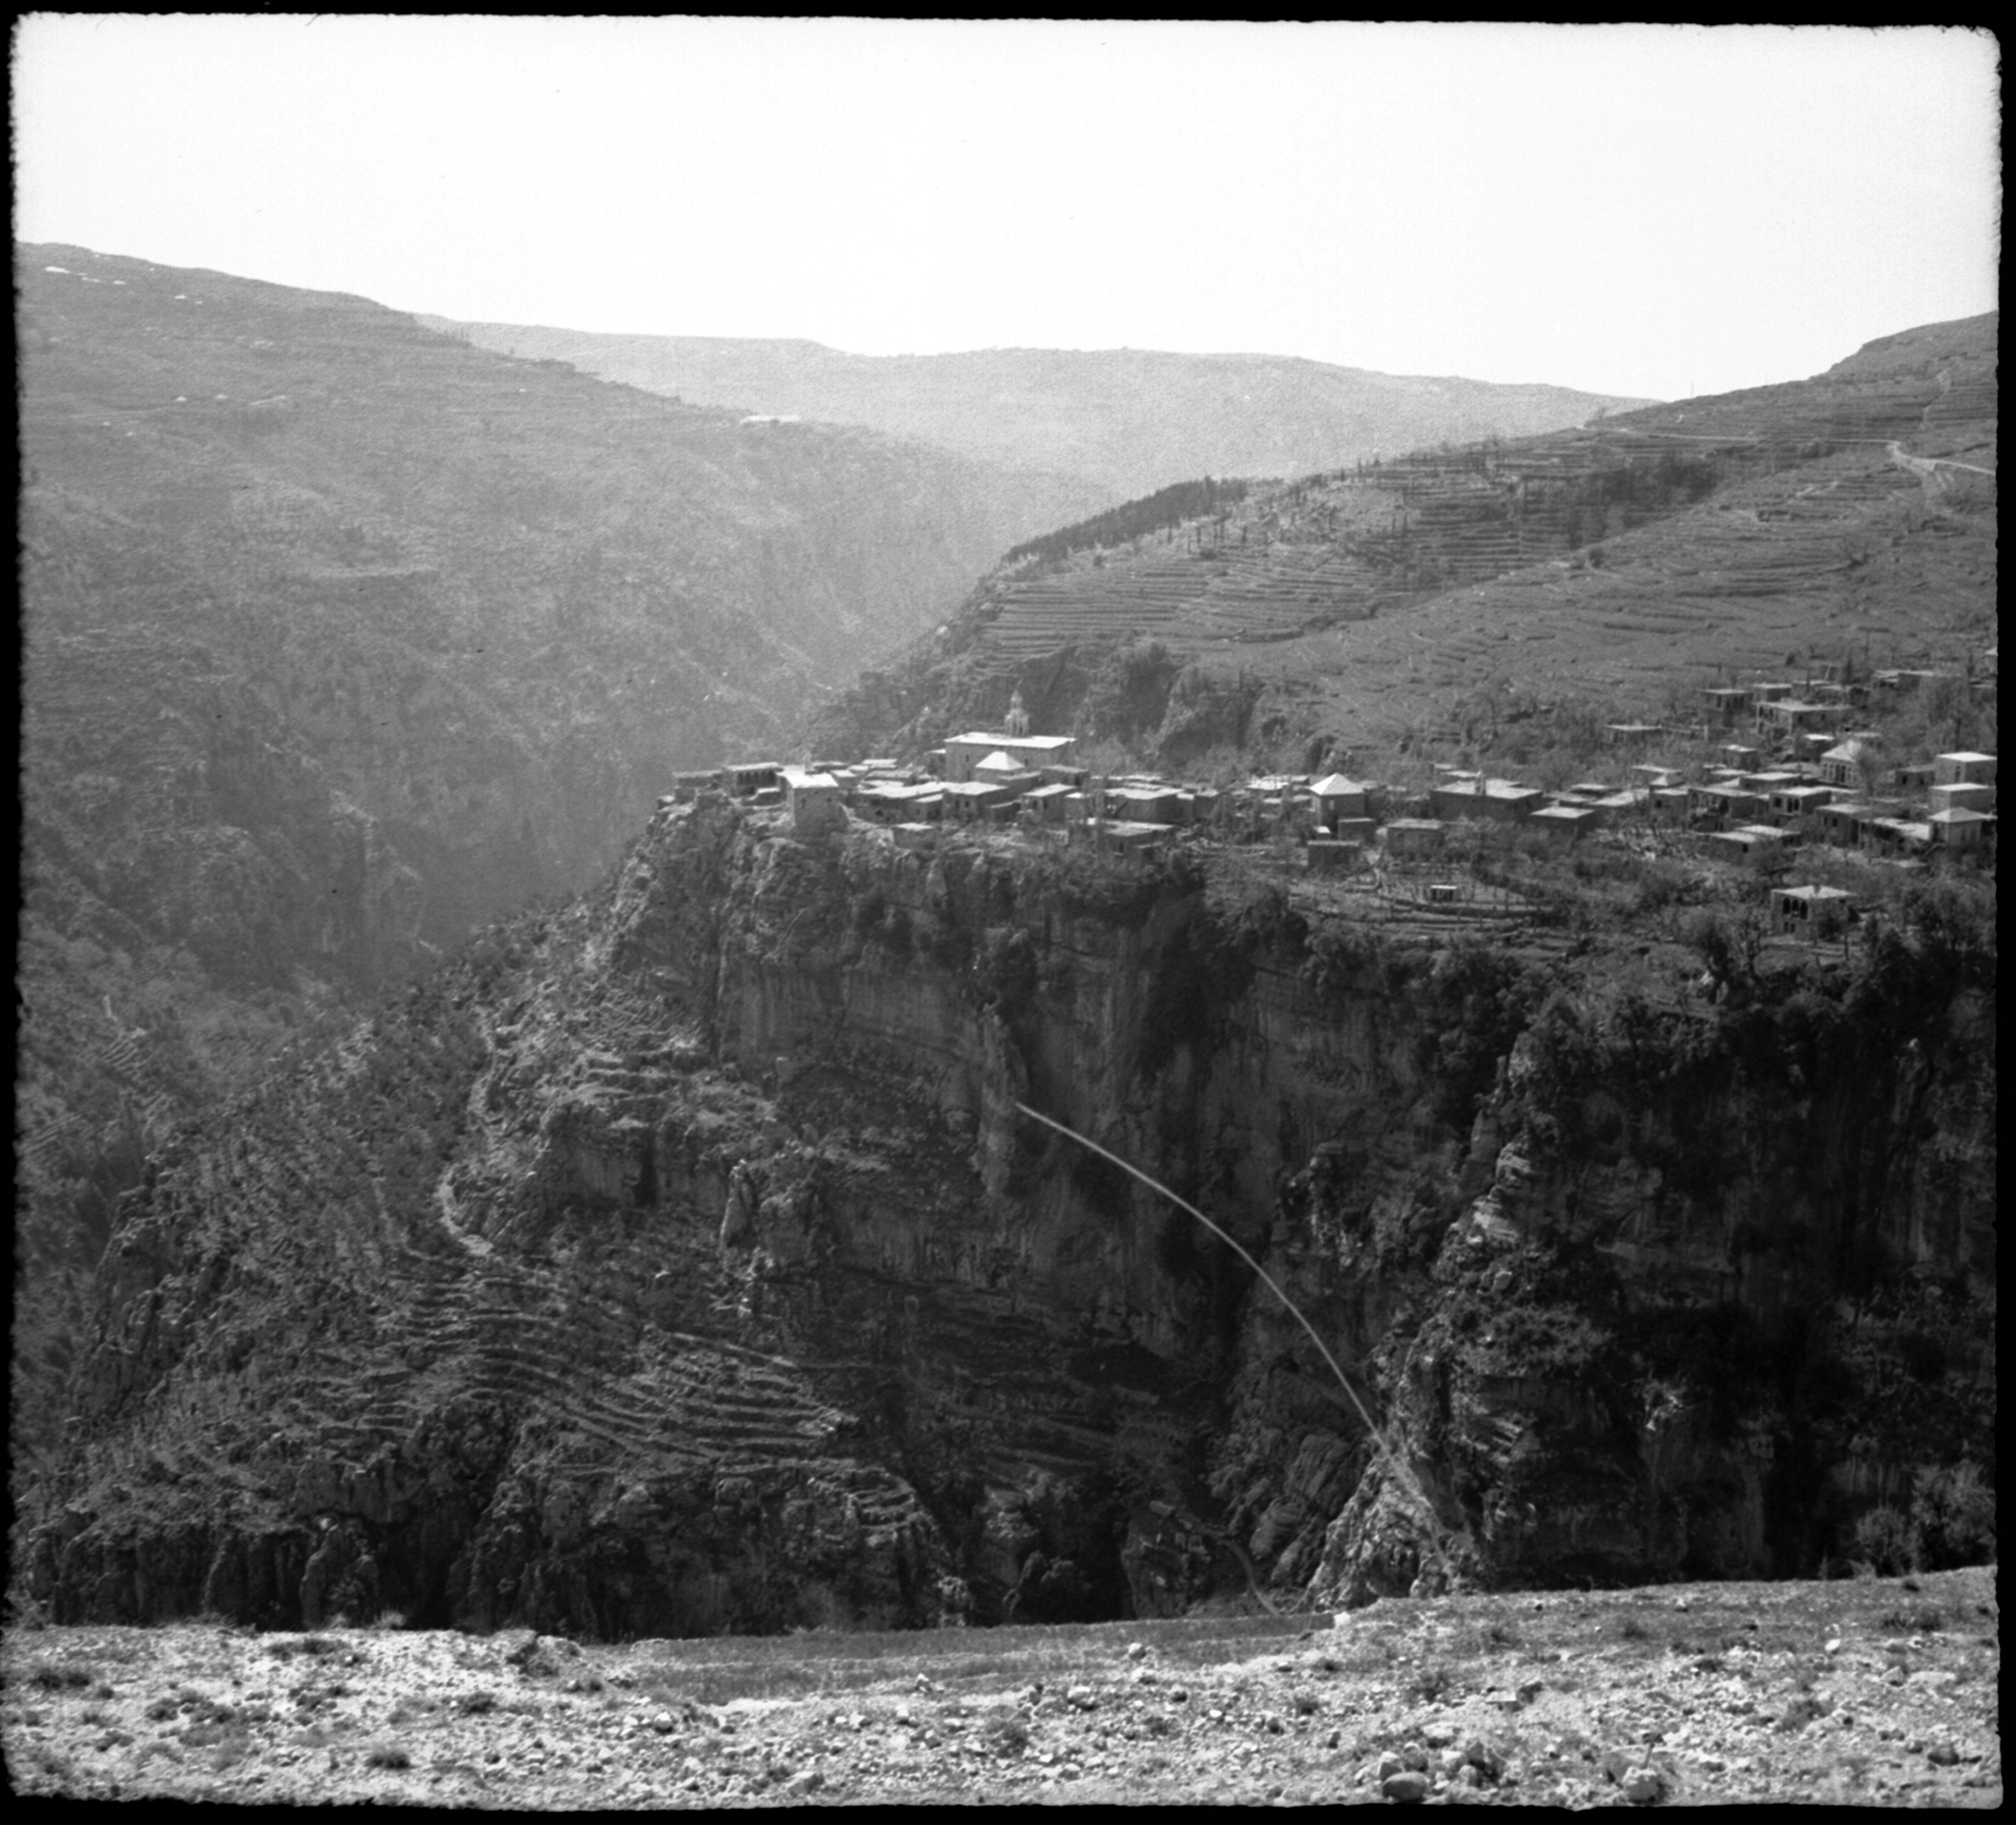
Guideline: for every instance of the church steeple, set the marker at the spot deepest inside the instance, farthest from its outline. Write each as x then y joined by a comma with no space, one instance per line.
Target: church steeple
1018,717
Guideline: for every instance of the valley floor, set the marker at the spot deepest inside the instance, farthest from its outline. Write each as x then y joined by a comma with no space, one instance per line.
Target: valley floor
1875,1692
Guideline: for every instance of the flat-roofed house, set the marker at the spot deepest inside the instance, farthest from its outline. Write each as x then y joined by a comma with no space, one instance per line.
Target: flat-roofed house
1963,767
1725,703
1896,836
1413,835
1840,821
744,778
1146,805
814,802
966,799
1793,716
1605,805
1123,836
1811,912
1790,804
1751,842
1726,801
1500,800
892,803
1968,795
1327,856
882,804
1047,802
688,787
1565,822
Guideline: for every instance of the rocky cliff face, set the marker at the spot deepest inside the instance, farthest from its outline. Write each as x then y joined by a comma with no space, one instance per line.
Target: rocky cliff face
682,1262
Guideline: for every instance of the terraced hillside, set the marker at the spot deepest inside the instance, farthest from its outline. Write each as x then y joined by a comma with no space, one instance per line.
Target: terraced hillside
449,1350
1851,514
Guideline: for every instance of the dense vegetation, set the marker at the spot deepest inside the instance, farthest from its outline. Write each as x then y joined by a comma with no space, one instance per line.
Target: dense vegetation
1166,507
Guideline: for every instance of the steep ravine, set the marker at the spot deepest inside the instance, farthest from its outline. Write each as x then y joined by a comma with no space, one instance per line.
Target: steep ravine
681,1263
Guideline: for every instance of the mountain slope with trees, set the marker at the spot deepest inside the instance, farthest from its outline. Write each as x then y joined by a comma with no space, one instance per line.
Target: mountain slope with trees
342,637
1607,569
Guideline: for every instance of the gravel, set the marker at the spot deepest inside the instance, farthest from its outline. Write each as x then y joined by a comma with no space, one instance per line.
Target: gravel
1693,1711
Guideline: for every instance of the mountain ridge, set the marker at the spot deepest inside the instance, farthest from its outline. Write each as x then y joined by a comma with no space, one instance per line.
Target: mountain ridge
1129,420
341,638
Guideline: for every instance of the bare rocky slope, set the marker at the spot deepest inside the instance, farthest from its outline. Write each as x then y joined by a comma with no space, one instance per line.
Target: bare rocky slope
1122,421
1851,515
681,1263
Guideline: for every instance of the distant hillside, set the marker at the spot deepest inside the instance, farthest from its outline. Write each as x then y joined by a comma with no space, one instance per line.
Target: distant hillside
1850,514
1131,420
343,637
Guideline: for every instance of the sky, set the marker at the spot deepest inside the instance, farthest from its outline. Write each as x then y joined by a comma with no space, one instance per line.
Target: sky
1647,210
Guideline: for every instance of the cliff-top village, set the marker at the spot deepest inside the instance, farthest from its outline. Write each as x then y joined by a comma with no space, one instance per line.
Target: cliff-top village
1795,772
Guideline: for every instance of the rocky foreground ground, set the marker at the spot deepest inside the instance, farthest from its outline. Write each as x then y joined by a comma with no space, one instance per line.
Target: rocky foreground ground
1875,1692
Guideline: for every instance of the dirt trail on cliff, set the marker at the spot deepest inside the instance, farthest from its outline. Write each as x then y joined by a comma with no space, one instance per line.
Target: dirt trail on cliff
1872,1692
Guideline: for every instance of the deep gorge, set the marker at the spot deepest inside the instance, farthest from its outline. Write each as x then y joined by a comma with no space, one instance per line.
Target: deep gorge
679,1262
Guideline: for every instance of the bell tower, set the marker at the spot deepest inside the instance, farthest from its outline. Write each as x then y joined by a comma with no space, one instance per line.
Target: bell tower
1018,717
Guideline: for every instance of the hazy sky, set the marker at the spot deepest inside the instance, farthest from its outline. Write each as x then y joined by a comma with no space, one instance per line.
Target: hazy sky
1638,210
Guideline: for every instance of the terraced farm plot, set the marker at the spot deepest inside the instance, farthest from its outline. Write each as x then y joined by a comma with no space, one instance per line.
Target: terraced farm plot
1851,515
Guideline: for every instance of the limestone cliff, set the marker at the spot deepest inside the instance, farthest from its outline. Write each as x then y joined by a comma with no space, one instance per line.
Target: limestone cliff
681,1262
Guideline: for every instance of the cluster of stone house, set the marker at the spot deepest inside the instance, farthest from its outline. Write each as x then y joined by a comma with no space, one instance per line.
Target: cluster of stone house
1810,710
1740,809
1849,799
